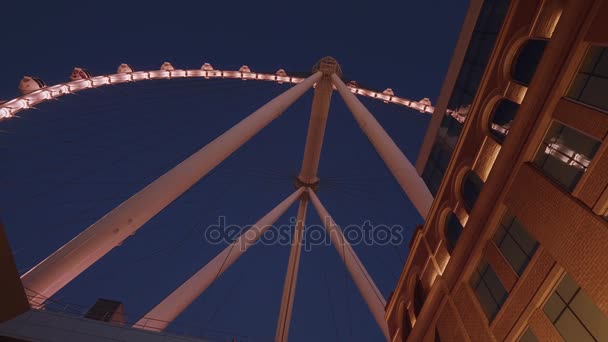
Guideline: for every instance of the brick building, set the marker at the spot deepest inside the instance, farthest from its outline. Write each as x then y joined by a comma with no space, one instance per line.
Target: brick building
515,247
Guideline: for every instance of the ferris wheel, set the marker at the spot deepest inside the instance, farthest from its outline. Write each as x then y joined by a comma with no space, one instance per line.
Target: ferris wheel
57,270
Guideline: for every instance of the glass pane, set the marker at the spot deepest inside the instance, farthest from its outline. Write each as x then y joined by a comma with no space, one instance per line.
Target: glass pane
514,255
487,301
471,188
578,141
528,336
571,329
495,285
576,88
591,317
601,68
591,59
524,240
454,229
565,154
499,235
554,307
595,92
564,174
567,288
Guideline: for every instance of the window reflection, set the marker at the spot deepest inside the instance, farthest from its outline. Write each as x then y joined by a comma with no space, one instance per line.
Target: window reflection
565,154
502,118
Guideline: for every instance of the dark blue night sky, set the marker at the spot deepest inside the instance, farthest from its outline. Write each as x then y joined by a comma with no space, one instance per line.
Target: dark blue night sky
69,162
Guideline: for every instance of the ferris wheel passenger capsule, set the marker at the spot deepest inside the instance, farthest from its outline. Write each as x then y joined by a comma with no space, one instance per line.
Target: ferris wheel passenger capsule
281,73
207,67
29,84
167,67
79,74
389,92
124,69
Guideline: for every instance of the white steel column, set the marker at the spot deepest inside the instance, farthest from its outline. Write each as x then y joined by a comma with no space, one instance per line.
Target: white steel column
50,275
372,296
291,278
316,132
395,160
172,306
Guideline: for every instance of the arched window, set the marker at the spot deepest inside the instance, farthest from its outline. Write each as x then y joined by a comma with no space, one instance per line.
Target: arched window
527,60
501,120
407,327
452,231
471,187
419,297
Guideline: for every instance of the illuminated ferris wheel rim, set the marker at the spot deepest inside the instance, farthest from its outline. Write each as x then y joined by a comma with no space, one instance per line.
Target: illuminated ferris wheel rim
82,80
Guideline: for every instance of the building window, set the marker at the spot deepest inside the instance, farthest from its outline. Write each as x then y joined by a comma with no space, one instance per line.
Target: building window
503,116
471,187
515,243
436,166
483,39
528,336
489,290
590,84
565,154
407,327
527,60
452,232
574,314
419,297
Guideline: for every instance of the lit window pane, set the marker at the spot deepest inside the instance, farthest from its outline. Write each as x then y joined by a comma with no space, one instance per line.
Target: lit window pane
589,314
571,328
574,314
567,288
554,307
528,336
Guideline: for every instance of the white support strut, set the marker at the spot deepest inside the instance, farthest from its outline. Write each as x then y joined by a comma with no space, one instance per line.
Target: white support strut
173,305
54,272
372,296
401,168
291,277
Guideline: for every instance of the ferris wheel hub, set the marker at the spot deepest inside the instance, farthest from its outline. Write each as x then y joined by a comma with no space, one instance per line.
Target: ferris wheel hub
328,66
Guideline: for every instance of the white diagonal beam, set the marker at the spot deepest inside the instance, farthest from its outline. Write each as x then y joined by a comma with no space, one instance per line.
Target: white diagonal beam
291,278
395,160
372,296
53,273
173,305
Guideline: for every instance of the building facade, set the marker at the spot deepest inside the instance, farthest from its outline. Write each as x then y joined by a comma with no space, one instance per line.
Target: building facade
515,247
